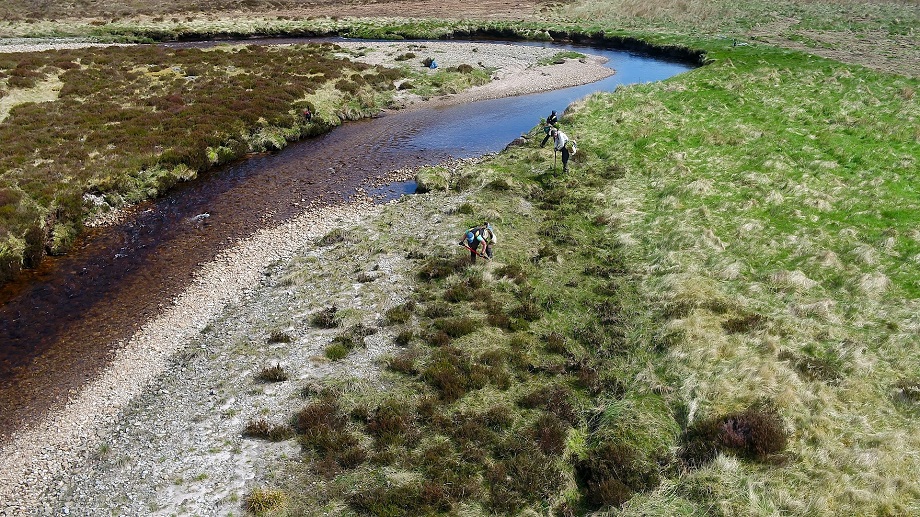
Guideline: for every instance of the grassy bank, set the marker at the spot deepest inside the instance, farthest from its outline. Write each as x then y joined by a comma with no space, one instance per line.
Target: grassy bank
714,313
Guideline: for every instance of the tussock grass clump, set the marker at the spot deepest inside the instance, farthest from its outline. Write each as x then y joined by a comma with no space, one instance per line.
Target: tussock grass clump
347,341
460,292
514,272
280,336
817,362
438,310
404,337
630,442
549,432
609,475
392,423
322,429
907,396
456,327
453,373
391,497
437,268
322,413
261,428
404,362
496,317
556,399
744,323
757,433
500,185
333,237
555,343
326,318
438,339
527,310
523,474
336,351
272,374
399,314
440,463
262,501
908,390
613,266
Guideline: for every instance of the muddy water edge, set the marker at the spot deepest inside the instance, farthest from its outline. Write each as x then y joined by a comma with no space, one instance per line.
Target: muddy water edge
61,324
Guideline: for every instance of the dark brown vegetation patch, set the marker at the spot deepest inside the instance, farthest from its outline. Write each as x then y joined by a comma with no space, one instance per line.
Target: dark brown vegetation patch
263,429
273,374
453,373
817,363
392,423
522,474
907,391
326,318
441,267
322,429
744,323
279,336
611,473
756,433
557,399
399,314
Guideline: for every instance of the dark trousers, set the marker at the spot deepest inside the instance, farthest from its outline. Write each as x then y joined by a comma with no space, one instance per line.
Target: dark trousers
488,253
565,159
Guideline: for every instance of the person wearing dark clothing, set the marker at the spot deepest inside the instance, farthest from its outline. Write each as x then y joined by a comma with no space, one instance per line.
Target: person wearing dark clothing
551,121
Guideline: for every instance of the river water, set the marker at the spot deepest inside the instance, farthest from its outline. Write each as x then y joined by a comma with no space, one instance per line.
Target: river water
61,323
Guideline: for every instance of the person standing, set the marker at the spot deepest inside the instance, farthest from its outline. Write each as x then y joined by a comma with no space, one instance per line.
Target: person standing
559,144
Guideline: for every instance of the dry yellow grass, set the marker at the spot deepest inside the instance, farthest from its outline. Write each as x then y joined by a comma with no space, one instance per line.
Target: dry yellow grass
44,91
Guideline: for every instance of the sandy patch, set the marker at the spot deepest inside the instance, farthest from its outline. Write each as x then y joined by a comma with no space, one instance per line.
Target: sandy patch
516,68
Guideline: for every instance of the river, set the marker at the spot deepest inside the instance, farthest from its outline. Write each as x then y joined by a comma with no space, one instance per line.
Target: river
61,323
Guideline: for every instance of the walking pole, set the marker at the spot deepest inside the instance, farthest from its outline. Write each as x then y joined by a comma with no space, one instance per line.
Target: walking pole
554,161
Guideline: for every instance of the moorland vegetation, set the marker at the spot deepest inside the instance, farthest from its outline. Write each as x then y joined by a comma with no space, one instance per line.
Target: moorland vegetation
90,130
714,313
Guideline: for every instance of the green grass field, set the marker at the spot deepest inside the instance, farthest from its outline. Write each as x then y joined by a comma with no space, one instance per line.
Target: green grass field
715,313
